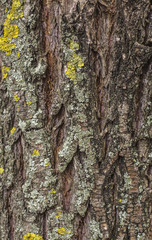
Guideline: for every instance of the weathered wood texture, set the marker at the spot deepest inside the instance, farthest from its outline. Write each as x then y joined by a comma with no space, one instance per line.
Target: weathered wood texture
76,120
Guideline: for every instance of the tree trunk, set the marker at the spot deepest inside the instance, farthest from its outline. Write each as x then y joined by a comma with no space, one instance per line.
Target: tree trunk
76,120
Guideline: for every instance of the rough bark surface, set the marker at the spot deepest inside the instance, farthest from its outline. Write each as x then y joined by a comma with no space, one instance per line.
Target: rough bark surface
76,120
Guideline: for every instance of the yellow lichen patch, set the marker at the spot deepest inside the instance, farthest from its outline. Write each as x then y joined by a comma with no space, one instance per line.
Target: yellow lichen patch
47,164
59,215
71,73
18,54
35,152
28,103
63,231
11,31
1,170
74,45
13,130
120,200
52,191
18,109
16,97
5,71
32,236
76,61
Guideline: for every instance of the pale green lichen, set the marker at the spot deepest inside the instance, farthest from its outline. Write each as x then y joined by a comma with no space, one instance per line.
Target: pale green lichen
95,230
18,82
128,181
22,125
79,133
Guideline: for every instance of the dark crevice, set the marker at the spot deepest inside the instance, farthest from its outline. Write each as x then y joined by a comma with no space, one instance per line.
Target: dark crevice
82,226
19,161
115,227
58,132
45,225
139,94
10,215
68,184
127,234
81,156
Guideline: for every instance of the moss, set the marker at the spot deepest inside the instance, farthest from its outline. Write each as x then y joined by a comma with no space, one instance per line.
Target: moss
11,31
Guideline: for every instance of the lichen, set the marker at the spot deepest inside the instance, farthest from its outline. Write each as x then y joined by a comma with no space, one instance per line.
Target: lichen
53,191
11,31
5,71
80,132
13,130
63,231
74,45
29,103
32,236
22,125
59,215
35,152
95,230
47,164
1,170
16,97
75,62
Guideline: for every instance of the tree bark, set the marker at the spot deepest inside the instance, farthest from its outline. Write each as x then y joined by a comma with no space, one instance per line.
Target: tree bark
76,120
